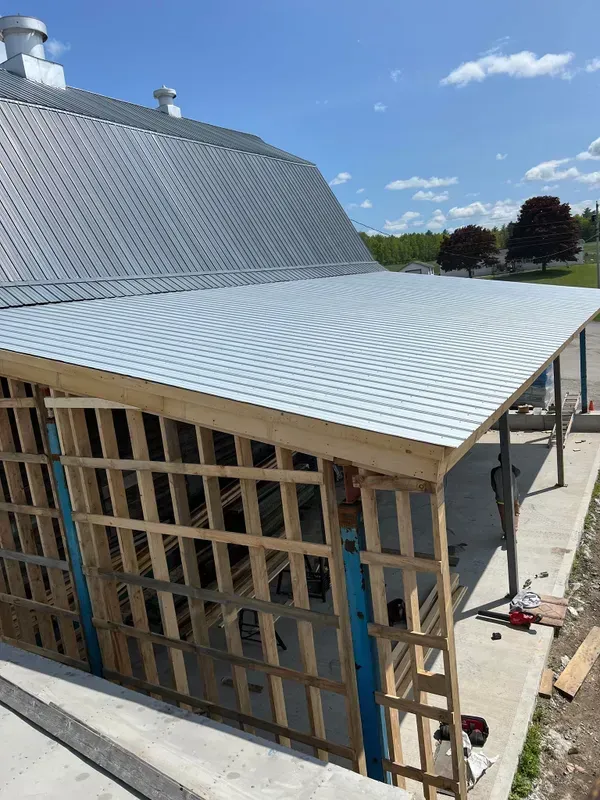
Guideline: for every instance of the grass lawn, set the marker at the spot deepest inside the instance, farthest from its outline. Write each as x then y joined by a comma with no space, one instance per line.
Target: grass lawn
577,275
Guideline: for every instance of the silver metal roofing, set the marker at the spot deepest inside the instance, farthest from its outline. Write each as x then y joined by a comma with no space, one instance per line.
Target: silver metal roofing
90,209
418,357
89,104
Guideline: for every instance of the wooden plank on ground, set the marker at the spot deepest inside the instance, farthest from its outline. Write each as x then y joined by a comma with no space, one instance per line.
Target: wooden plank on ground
579,666
546,684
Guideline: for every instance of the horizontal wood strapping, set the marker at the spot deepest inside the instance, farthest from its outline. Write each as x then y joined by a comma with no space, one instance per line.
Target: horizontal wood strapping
433,683
30,558
42,651
410,707
302,476
209,535
17,402
25,458
229,713
400,562
408,637
392,483
213,596
84,402
426,778
33,511
221,655
33,605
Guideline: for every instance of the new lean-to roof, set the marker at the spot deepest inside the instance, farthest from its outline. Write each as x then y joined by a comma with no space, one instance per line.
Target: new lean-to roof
418,357
100,198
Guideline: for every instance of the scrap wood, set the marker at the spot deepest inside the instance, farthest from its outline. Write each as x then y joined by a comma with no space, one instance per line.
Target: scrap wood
546,684
577,669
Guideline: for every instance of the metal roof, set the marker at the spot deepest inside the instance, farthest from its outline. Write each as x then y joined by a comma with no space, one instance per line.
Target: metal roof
417,357
92,210
89,104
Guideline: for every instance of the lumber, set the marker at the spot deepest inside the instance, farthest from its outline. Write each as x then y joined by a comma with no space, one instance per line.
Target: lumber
400,562
546,684
30,558
392,483
25,458
576,671
96,747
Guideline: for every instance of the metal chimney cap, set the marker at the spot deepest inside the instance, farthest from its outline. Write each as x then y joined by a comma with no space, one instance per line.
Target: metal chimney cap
164,91
19,22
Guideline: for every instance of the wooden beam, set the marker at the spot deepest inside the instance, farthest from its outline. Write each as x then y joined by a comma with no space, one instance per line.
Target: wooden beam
33,605
53,655
410,707
32,511
392,483
408,637
209,470
295,431
546,684
30,558
210,535
25,458
426,778
17,402
84,402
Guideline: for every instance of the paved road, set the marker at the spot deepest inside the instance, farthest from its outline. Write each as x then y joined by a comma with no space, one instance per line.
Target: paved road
570,364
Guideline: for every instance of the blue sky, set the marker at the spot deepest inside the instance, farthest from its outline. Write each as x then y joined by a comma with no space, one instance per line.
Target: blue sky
309,77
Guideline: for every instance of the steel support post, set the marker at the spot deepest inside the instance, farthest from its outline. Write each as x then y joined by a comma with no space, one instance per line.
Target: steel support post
583,371
560,442
509,506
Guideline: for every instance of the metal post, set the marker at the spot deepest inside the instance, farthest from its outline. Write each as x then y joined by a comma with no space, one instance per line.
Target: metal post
371,714
509,506
85,606
583,371
560,443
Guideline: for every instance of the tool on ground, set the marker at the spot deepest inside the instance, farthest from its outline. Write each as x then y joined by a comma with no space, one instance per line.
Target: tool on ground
476,729
518,618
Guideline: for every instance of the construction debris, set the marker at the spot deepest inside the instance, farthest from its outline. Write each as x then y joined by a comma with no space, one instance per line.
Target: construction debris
579,666
546,684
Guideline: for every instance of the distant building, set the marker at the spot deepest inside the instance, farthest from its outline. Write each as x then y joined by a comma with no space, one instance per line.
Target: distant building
419,268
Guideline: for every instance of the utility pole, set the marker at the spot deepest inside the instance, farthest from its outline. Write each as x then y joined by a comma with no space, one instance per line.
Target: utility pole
597,246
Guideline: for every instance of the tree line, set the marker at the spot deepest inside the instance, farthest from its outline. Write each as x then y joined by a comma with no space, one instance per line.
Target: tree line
544,231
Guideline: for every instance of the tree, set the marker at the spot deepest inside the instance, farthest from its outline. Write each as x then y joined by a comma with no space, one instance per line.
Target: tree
544,231
468,248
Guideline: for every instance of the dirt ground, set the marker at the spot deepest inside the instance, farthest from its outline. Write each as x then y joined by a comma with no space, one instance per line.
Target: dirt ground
570,755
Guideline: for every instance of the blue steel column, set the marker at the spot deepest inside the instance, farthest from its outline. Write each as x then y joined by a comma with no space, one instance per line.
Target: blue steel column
371,714
85,606
583,371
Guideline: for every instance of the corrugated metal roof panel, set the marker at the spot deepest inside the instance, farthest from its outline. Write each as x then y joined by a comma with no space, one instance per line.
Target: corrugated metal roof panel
426,358
89,104
81,200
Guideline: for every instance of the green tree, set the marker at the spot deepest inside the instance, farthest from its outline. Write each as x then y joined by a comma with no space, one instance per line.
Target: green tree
468,248
544,231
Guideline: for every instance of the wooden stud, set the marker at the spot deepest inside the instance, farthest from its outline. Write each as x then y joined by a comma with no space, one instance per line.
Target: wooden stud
18,498
45,526
400,561
260,580
411,707
25,458
392,483
440,549
189,559
157,548
570,680
7,623
43,608
380,617
212,498
293,532
411,637
16,584
546,684
331,526
414,774
118,499
413,625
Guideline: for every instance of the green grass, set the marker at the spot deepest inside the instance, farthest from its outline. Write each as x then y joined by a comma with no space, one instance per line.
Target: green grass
577,275
529,761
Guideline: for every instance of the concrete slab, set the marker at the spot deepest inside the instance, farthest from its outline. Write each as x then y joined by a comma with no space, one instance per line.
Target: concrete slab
210,759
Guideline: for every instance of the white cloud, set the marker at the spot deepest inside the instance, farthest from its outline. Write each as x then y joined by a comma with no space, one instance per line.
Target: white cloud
437,221
472,194
549,188
418,223
592,153
341,177
401,224
518,65
422,183
475,209
431,196
593,65
590,178
379,107
366,204
501,156
547,171
579,208
395,75
359,191
55,48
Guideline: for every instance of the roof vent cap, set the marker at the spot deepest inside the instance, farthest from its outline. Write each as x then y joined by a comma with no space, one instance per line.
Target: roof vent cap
24,39
165,97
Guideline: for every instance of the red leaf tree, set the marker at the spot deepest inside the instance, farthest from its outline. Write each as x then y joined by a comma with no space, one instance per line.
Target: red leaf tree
468,248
